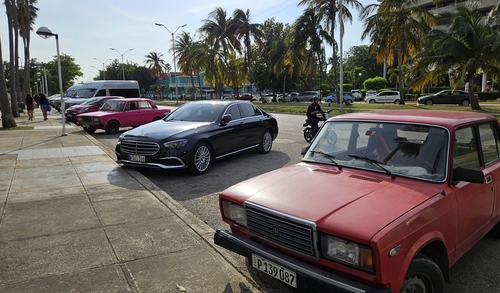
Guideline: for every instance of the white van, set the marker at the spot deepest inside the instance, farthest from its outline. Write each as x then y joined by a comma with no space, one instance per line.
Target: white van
101,88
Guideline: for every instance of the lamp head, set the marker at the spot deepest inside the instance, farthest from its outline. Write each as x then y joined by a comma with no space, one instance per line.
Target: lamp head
45,32
158,24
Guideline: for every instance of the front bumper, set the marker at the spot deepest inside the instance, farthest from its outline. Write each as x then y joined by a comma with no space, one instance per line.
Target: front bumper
307,274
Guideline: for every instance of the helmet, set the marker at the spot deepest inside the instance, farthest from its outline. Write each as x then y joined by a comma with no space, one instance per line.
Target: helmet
316,98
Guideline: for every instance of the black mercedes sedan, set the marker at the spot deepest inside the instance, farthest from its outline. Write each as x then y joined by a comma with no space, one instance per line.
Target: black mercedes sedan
196,134
446,97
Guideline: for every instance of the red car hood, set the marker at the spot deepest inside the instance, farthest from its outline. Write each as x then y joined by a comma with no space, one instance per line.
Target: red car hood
101,113
77,107
347,202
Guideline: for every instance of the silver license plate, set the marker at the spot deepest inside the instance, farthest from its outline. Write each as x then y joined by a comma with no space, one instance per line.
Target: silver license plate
136,158
274,270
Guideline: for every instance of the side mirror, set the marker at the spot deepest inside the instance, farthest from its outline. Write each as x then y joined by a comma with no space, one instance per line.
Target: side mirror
225,119
304,150
467,174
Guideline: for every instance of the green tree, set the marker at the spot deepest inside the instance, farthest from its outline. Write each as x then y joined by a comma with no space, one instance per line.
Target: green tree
26,18
155,63
358,56
241,27
69,72
187,49
462,44
396,28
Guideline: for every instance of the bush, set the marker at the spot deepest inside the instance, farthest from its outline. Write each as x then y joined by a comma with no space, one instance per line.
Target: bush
375,83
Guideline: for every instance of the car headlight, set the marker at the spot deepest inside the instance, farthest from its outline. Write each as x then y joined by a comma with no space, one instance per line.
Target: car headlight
120,138
234,212
83,110
96,119
176,144
348,252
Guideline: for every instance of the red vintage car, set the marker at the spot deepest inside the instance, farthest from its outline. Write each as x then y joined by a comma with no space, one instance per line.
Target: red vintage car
383,201
116,113
91,105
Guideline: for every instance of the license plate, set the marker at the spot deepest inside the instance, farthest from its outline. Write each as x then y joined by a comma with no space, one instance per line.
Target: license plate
135,158
85,125
274,270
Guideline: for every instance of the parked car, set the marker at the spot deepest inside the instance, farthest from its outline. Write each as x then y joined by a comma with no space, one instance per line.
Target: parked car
357,95
384,97
370,94
196,134
91,105
287,97
306,96
383,201
116,113
446,97
348,99
246,97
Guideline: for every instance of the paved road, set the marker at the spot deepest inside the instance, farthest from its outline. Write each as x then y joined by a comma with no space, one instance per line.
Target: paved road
476,272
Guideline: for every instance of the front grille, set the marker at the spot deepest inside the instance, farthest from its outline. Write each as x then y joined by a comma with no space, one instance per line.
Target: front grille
144,148
292,233
86,118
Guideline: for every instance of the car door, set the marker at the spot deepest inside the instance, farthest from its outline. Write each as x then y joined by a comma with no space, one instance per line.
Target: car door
476,147
254,125
131,115
229,136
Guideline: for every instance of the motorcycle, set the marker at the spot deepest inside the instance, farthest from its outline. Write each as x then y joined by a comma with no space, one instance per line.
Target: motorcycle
309,131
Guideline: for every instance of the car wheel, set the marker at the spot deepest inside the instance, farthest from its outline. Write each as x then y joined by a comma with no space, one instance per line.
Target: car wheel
156,118
495,231
372,101
429,102
112,127
266,143
200,159
465,103
423,276
308,134
348,102
295,100
89,130
396,101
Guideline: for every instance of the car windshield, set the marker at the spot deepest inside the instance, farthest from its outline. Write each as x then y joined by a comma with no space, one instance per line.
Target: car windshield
92,101
196,112
113,105
85,92
408,150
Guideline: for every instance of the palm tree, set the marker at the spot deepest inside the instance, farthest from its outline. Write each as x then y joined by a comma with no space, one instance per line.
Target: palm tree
309,33
462,44
328,10
7,116
186,50
241,27
11,9
218,40
155,63
396,28
27,13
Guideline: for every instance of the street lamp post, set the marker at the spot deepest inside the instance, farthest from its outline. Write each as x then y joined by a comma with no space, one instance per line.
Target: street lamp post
123,65
46,33
103,70
98,70
173,52
360,80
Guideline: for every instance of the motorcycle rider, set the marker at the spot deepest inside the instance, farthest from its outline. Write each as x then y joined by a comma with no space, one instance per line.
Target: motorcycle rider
312,111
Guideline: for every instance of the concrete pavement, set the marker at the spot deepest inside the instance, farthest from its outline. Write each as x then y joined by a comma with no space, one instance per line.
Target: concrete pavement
72,220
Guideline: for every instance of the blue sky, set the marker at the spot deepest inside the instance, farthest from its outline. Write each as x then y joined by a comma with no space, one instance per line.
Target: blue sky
87,29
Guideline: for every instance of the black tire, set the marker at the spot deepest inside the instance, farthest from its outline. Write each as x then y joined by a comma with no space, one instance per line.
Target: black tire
200,159
308,134
295,100
429,102
112,127
372,101
156,118
495,232
396,101
266,143
423,276
465,103
89,130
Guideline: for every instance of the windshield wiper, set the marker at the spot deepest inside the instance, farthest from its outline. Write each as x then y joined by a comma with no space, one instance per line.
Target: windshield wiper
374,162
330,157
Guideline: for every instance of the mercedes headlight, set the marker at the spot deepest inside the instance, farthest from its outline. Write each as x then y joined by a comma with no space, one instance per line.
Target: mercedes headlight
234,212
176,144
348,252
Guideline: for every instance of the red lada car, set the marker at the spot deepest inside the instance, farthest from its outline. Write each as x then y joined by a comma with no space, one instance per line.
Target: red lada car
91,105
383,201
116,113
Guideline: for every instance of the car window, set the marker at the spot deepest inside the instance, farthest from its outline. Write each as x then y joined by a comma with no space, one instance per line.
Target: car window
101,93
144,105
249,110
465,153
489,142
113,105
234,110
131,106
196,112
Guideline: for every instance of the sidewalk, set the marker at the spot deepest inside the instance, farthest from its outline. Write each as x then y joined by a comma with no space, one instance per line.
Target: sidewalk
72,220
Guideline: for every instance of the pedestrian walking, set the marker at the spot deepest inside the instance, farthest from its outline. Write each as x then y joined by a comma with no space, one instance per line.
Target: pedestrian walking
29,101
44,105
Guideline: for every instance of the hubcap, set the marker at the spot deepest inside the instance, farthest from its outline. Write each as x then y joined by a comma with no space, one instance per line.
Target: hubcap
202,158
267,141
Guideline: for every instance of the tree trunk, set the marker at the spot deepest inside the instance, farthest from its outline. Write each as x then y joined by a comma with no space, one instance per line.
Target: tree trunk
474,102
7,117
26,41
12,18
